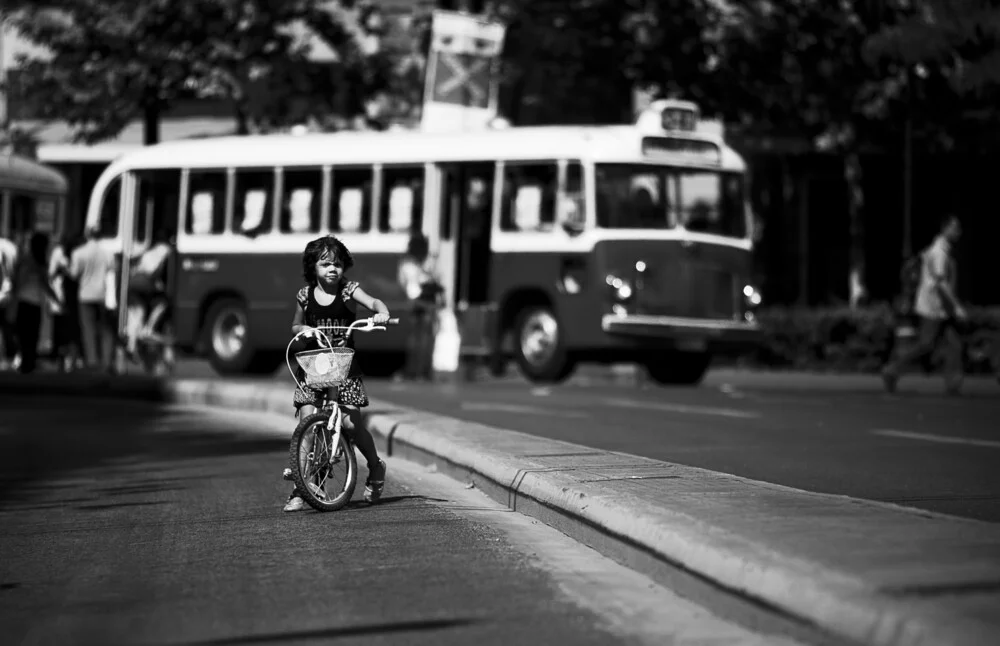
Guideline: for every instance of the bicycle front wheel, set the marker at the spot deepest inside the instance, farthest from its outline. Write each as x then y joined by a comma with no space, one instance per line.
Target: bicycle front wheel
325,475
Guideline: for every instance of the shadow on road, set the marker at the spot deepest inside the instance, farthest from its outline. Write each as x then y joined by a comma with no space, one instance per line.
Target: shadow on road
46,441
347,631
359,504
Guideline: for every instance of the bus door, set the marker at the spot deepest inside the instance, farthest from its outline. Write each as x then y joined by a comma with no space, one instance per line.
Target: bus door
149,210
468,200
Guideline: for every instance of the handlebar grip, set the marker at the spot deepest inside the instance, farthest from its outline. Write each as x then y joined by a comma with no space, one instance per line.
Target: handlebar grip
392,322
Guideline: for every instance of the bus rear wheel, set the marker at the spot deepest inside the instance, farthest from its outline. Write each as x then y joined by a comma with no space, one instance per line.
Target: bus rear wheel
539,346
227,338
678,368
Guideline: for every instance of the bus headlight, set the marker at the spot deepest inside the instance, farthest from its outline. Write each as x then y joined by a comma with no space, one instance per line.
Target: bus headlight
752,296
621,289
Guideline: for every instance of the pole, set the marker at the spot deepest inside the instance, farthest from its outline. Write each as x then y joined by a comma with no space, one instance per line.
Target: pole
907,186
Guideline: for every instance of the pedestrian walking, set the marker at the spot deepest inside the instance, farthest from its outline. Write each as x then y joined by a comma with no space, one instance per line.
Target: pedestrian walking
32,292
938,311
91,265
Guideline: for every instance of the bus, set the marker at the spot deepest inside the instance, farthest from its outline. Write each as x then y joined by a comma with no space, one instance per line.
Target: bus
555,245
32,199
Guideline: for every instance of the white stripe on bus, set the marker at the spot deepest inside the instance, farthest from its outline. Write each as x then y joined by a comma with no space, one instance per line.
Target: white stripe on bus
556,241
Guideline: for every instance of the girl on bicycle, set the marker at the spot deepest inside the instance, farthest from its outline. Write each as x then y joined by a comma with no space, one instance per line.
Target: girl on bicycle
330,299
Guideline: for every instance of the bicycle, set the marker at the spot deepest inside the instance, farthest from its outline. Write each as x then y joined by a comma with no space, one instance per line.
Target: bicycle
319,444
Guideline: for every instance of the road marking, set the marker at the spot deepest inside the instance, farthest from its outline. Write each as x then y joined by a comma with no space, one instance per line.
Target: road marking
491,407
684,408
941,439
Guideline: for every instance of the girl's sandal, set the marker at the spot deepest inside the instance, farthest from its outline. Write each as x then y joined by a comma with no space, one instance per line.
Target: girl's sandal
373,487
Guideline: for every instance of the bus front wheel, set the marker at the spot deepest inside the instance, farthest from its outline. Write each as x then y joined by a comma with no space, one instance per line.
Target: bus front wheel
679,368
539,346
227,340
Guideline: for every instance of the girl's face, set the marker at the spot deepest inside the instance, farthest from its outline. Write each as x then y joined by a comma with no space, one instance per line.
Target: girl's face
329,271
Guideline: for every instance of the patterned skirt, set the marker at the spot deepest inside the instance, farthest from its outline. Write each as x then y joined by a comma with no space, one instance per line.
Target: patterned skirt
352,393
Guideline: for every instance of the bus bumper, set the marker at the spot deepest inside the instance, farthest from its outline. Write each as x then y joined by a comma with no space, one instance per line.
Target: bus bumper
696,335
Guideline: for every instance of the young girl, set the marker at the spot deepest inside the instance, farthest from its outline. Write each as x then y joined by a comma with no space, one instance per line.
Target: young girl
329,299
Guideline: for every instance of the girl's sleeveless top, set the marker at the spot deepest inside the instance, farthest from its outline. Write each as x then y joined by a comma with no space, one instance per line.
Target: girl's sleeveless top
336,313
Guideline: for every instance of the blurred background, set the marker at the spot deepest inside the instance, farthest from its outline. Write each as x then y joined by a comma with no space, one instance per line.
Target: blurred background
863,121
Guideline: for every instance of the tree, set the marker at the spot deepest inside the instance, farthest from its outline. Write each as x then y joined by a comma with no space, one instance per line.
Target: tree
101,73
580,61
797,67
274,82
949,53
114,60
15,140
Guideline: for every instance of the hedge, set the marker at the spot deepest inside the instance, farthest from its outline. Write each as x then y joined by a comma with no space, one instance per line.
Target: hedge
841,339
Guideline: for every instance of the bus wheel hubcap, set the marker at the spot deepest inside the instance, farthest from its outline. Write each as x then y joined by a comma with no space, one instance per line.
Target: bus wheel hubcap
229,334
539,338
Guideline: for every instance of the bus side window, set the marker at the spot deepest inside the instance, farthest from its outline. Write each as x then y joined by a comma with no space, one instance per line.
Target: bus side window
350,211
253,202
21,214
402,199
206,207
572,206
108,224
301,206
529,197
159,194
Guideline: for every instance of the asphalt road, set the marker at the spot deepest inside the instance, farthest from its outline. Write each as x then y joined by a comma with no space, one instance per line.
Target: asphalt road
133,523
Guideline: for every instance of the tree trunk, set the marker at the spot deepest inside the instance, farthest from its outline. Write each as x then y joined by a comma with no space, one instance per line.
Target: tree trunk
151,123
855,213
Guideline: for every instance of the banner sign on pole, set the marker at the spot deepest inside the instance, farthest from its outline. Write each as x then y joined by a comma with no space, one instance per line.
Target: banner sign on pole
463,69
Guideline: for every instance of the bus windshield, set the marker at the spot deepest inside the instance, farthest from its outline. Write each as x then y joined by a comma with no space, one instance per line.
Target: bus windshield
637,196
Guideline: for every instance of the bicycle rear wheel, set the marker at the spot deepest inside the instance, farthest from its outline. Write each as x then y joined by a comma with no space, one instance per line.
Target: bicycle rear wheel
324,475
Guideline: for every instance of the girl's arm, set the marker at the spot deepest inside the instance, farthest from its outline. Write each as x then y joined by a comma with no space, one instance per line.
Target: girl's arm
373,304
298,321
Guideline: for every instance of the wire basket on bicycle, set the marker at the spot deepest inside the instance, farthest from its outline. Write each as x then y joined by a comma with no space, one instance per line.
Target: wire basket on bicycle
325,367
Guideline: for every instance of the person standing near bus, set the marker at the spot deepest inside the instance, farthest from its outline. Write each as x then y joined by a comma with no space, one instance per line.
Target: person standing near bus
937,309
32,292
8,259
423,296
90,266
66,317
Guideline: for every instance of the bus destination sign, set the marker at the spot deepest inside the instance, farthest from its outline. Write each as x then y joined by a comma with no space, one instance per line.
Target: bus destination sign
679,119
674,147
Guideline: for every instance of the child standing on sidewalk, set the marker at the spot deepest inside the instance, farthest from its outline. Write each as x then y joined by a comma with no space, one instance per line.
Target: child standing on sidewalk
328,300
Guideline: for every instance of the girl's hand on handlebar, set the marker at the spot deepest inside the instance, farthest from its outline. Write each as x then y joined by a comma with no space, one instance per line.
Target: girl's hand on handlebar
380,319
309,332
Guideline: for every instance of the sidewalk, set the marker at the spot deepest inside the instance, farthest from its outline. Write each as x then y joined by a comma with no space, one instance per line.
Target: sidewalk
869,572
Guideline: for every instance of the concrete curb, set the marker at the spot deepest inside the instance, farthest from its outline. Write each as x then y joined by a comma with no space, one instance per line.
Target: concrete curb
638,535
653,539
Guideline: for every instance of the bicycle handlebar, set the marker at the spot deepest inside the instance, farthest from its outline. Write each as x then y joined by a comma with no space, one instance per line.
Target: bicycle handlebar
360,325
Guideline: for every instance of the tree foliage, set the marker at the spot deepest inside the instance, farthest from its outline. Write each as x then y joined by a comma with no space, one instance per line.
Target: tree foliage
577,61
949,51
115,60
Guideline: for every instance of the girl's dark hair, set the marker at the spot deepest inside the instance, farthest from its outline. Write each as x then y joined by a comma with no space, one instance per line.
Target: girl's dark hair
325,246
